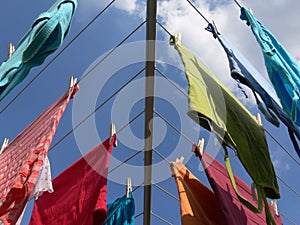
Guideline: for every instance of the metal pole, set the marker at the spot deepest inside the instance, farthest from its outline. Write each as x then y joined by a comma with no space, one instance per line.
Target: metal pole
149,106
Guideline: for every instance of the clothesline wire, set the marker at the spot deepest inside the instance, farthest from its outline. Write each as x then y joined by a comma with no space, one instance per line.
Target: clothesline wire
277,142
138,215
198,11
281,146
291,221
286,184
96,109
161,156
174,127
178,88
58,54
137,187
239,5
163,27
160,218
125,161
111,51
166,192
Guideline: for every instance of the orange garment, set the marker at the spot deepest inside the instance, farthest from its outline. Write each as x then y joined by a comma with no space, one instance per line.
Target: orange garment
198,205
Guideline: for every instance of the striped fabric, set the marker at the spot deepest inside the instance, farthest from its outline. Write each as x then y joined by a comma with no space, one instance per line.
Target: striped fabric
21,161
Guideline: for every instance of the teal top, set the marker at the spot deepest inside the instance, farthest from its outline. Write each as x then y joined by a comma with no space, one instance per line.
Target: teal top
121,211
283,70
43,38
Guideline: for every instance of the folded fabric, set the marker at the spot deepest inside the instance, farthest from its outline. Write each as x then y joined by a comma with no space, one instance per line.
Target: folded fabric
44,37
198,205
243,71
22,159
283,70
233,211
44,181
79,195
121,211
214,107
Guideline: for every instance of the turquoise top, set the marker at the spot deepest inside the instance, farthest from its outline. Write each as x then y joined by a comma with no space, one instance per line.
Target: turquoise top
283,70
43,38
121,211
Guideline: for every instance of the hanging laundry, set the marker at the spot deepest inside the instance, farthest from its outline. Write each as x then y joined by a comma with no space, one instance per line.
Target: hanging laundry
233,212
42,184
283,70
198,205
22,159
121,211
44,181
79,195
243,71
44,37
215,108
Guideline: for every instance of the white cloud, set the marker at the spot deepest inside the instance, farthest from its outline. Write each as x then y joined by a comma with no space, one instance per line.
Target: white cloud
90,7
127,5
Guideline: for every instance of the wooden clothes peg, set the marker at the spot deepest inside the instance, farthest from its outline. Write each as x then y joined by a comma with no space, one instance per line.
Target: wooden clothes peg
112,132
4,145
275,207
199,148
259,119
175,40
128,186
11,50
73,81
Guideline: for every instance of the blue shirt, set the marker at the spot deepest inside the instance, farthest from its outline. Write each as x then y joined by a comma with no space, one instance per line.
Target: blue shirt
121,211
243,70
283,70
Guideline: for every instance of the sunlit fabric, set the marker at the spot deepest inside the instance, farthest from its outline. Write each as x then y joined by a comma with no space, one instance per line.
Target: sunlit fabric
283,70
43,38
22,159
79,195
243,71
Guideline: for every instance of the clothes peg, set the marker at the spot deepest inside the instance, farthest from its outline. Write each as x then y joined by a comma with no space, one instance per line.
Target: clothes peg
73,81
253,192
259,119
175,40
178,39
11,50
198,148
112,132
4,145
180,159
128,186
274,205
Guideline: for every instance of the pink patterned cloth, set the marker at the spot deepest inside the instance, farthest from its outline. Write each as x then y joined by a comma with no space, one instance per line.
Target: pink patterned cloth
22,159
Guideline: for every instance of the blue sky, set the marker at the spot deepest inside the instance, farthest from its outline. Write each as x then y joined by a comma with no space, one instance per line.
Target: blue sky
102,36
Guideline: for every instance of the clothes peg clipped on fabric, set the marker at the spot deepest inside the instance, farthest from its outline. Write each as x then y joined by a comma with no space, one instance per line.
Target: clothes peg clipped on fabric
73,81
175,40
274,205
4,145
128,186
198,148
259,119
180,159
112,132
11,50
253,192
